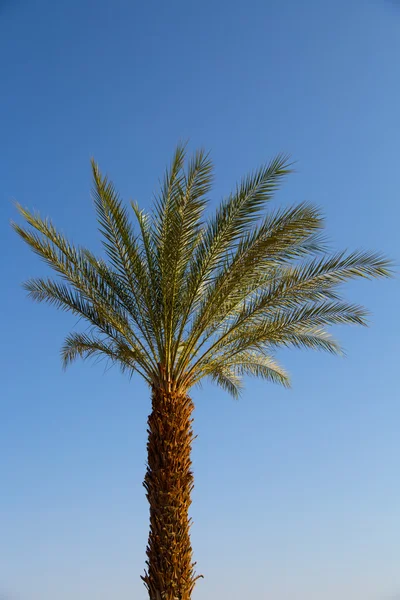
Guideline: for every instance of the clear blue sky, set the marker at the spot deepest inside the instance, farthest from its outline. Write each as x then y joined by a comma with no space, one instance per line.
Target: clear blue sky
297,492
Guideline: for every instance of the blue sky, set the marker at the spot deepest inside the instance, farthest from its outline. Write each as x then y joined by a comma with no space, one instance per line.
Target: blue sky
297,492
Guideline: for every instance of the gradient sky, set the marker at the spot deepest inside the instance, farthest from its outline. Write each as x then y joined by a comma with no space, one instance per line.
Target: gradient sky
297,492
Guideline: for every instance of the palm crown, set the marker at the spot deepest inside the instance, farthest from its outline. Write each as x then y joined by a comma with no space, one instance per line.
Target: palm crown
182,298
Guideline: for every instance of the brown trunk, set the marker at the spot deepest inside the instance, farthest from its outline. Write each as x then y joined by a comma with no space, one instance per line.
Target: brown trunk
169,483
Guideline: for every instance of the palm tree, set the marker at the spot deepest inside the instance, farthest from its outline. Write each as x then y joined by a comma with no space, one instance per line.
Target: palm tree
183,298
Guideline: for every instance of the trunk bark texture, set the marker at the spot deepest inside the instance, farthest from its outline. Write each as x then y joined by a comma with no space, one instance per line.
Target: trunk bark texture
169,483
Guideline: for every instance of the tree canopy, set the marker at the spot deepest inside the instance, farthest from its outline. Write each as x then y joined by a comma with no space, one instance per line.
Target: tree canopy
180,295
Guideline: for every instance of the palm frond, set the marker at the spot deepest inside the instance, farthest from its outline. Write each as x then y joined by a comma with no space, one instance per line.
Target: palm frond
85,346
177,232
233,220
114,325
283,236
122,246
228,381
255,363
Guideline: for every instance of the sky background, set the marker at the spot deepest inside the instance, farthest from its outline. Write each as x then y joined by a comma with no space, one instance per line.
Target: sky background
297,492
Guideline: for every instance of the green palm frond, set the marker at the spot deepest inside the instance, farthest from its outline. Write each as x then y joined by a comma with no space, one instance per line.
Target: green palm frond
247,362
111,323
124,251
86,346
282,236
228,380
233,219
177,232
179,297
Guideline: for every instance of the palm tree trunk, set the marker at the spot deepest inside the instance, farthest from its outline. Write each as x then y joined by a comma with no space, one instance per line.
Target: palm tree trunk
169,483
